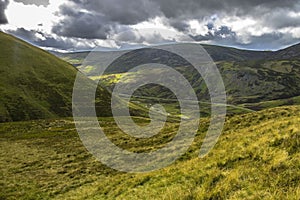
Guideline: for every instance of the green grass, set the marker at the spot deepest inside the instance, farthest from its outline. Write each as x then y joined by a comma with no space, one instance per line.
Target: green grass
273,103
256,157
34,84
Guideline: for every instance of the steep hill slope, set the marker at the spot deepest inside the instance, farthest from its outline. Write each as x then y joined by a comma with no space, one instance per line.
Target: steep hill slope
34,84
256,157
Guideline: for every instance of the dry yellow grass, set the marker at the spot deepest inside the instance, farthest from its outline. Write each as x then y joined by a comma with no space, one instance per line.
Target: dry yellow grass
257,157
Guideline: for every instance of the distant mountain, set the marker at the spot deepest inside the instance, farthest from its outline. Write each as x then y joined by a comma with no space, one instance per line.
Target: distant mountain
34,84
249,76
292,52
218,53
221,53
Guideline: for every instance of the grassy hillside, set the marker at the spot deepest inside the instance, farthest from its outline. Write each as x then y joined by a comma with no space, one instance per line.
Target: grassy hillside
220,53
256,157
245,82
287,53
34,84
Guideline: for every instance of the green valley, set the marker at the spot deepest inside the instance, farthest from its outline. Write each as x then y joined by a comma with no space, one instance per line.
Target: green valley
42,157
250,77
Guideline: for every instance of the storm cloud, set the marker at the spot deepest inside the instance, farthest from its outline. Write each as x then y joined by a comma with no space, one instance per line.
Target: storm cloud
260,24
97,19
83,25
40,39
221,33
202,8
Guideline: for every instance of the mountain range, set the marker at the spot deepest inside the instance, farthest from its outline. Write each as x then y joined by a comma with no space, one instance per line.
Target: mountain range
253,79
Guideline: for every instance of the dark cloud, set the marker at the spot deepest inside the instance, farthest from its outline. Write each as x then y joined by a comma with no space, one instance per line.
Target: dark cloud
83,25
268,41
34,2
3,5
96,19
217,34
102,19
123,12
179,25
24,34
281,19
210,26
272,14
201,8
44,40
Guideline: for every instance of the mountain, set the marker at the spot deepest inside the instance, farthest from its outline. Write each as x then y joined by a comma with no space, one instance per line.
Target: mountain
249,77
222,53
218,53
34,84
292,52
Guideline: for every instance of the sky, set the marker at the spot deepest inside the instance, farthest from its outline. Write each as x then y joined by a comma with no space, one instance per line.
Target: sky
74,25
